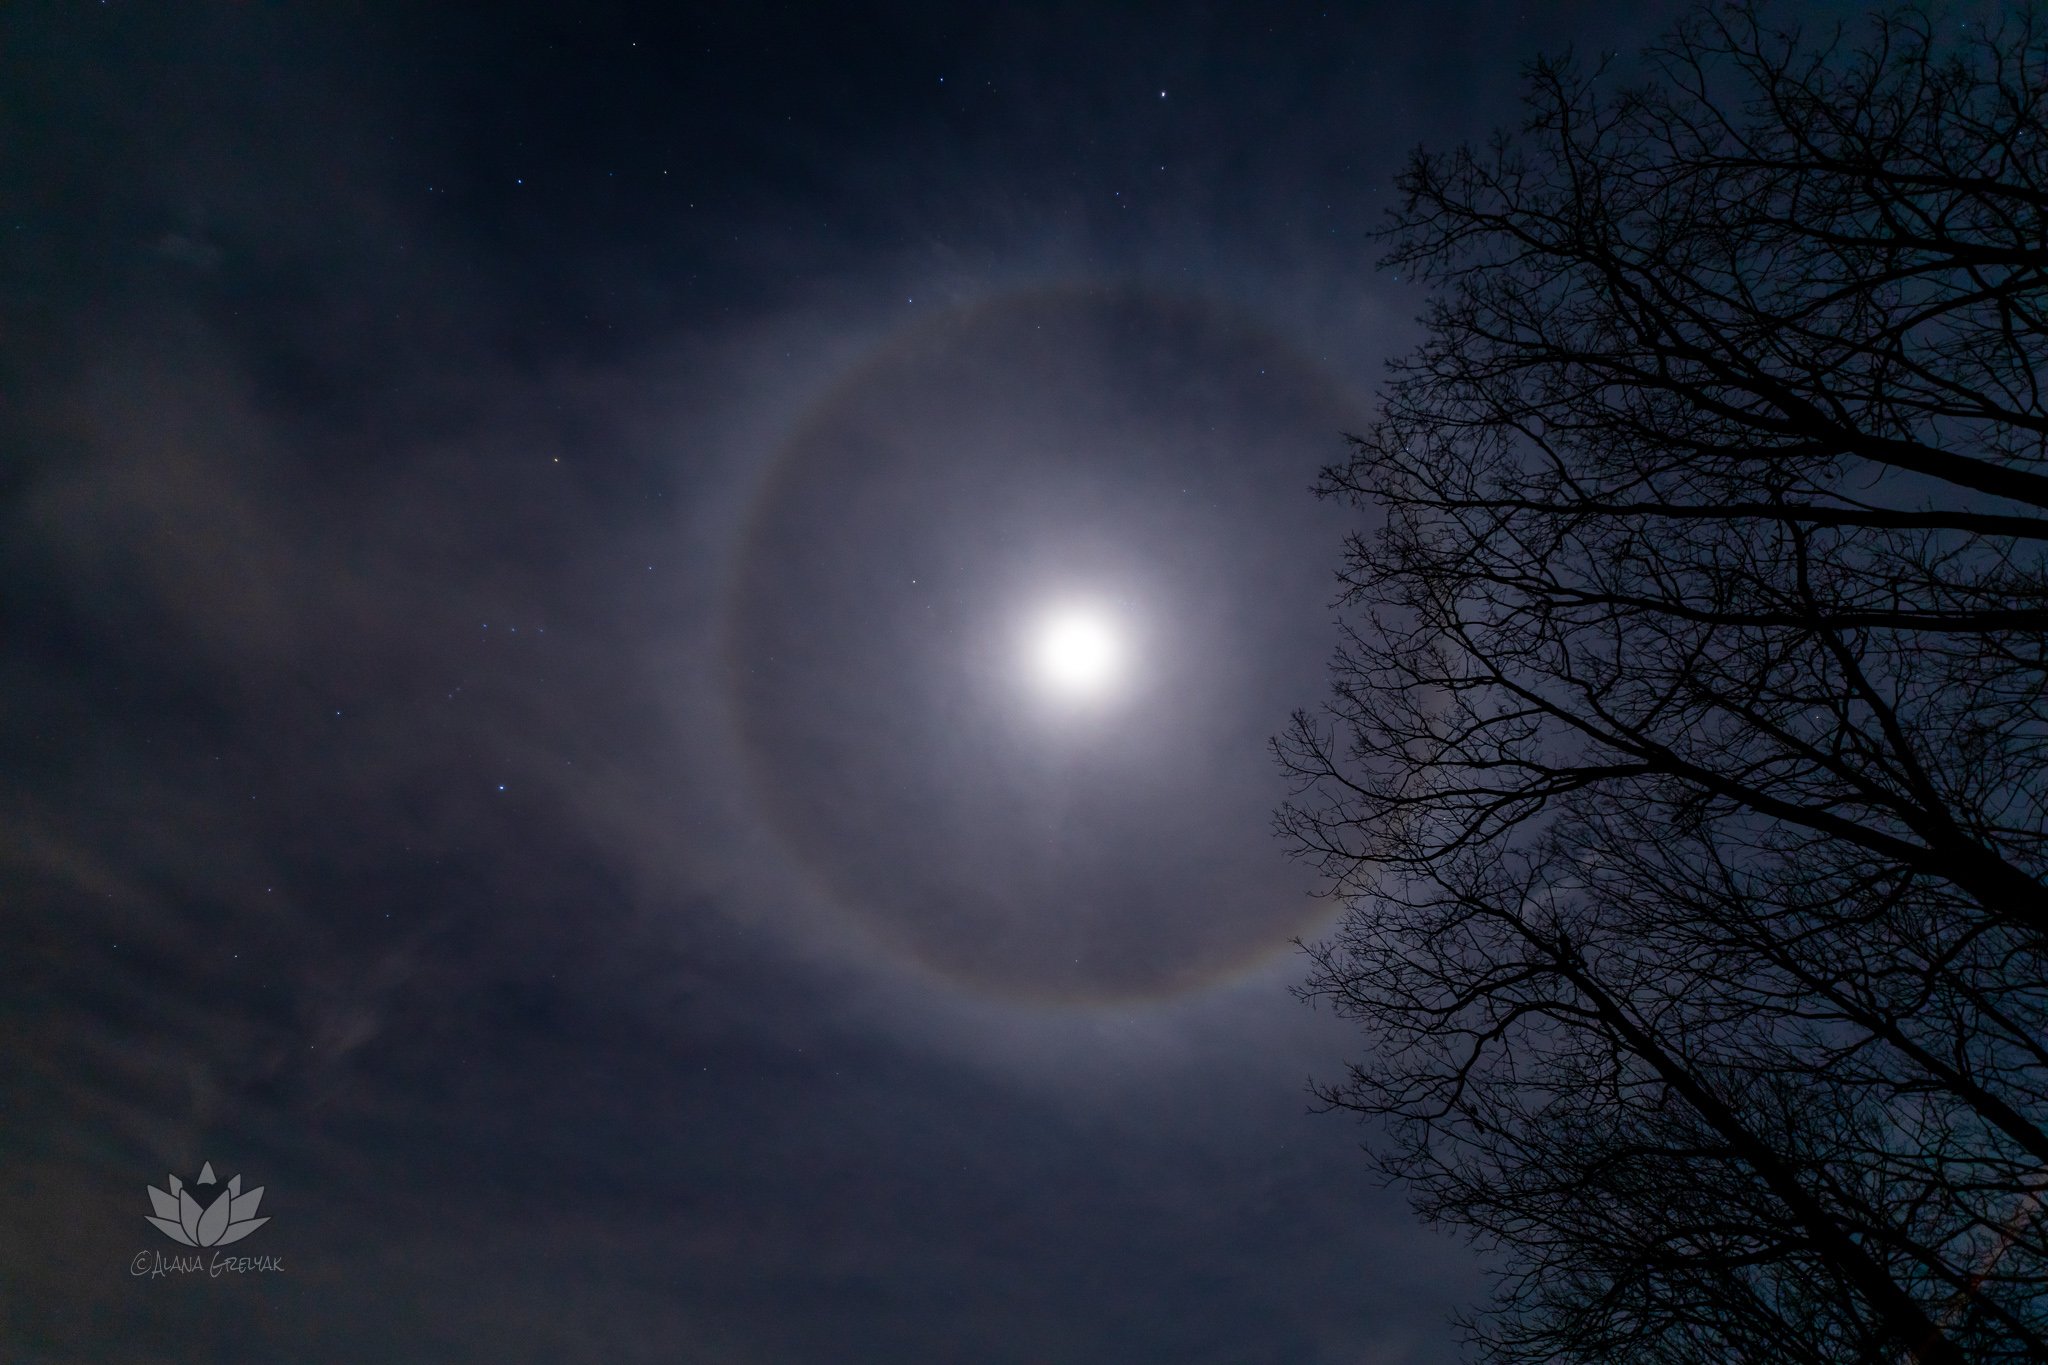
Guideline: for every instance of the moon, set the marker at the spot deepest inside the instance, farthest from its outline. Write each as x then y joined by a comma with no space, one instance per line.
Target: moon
1015,604
1076,652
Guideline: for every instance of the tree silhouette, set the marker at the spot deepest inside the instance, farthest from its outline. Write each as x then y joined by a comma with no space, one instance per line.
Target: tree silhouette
1684,767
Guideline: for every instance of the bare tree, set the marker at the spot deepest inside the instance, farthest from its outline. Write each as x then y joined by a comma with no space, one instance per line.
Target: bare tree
1684,769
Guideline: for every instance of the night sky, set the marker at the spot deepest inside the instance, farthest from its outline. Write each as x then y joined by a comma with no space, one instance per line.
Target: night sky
528,537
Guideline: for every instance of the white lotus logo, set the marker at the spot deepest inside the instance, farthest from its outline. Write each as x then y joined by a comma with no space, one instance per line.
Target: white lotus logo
228,1215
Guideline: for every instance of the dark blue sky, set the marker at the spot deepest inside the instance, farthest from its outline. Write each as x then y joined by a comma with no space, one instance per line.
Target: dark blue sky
518,523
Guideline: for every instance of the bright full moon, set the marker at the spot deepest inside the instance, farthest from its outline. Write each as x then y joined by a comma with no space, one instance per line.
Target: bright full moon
1076,652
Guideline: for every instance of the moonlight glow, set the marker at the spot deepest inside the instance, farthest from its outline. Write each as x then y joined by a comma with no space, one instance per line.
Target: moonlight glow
1076,652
